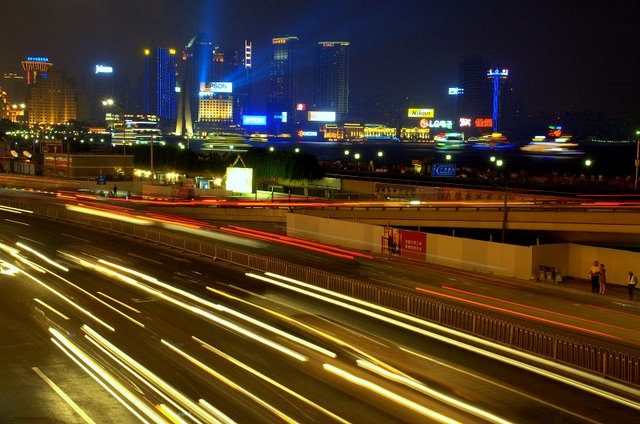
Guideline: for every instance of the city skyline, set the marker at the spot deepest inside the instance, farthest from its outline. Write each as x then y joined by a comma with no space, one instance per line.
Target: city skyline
575,56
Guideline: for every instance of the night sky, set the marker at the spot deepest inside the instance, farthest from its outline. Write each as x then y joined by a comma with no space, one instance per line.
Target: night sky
563,55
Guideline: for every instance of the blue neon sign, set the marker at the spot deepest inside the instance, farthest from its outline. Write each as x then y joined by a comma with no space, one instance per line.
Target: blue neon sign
254,120
37,59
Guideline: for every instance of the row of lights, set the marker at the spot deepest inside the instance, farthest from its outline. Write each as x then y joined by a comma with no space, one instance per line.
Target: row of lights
500,162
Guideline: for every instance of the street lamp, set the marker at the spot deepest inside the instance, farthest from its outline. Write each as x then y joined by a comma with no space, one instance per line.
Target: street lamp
588,163
635,184
448,157
380,154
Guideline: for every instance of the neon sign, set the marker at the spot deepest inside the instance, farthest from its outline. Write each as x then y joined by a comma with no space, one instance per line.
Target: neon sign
102,69
207,89
38,59
307,133
483,123
435,123
498,73
301,106
321,116
254,120
456,91
465,122
421,113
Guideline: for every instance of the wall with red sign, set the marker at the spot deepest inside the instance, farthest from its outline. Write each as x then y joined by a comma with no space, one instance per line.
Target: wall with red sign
413,244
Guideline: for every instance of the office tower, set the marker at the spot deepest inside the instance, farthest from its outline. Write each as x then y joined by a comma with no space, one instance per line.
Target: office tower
15,86
52,99
99,85
283,76
160,97
476,100
331,78
196,67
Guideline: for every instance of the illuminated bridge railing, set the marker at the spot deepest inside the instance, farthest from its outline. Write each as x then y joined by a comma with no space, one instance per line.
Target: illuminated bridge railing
610,363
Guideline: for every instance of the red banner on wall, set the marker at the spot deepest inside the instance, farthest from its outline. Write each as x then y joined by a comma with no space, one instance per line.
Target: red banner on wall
413,244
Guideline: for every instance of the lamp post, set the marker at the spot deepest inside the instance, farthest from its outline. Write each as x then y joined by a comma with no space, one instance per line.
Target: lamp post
635,183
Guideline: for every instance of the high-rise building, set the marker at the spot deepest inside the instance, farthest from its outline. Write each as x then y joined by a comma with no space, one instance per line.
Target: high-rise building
331,78
52,99
283,76
476,102
160,97
15,86
99,85
196,66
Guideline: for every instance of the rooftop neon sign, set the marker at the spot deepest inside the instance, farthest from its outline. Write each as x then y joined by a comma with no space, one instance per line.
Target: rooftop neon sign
37,59
498,73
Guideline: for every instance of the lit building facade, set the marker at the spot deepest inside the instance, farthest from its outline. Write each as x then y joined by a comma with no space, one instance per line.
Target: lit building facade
283,76
331,77
215,112
160,97
134,129
52,99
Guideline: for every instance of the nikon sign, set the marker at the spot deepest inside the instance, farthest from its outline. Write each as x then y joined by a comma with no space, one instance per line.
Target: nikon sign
421,113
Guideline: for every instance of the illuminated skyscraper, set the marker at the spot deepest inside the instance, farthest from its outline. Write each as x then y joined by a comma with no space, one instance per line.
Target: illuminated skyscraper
160,97
283,76
331,81
497,76
52,99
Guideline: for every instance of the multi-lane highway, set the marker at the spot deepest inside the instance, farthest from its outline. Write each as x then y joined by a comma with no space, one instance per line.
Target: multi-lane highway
108,329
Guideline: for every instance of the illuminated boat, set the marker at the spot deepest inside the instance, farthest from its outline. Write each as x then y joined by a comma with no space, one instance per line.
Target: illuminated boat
449,141
491,141
552,146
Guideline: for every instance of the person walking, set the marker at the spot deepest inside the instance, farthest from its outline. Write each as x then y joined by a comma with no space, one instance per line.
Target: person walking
631,285
602,280
594,273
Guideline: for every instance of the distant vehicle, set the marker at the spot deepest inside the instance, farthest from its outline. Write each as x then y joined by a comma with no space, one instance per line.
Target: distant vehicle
449,141
552,146
491,141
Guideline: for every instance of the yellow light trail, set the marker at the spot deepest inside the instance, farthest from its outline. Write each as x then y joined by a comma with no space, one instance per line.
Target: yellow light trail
231,383
269,380
142,406
420,387
429,413
55,311
161,387
477,340
203,313
41,256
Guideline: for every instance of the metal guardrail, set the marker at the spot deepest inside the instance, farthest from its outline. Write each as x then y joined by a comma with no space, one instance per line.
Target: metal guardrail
606,362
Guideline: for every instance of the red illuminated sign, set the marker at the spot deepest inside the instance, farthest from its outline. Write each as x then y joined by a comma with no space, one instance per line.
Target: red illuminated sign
484,123
301,106
413,244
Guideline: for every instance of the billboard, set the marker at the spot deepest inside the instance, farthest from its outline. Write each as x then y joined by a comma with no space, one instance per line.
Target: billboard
254,120
307,133
413,244
209,88
421,113
320,116
239,180
436,123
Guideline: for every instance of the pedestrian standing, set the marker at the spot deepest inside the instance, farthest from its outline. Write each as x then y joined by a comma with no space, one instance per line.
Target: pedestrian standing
594,273
631,285
602,280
